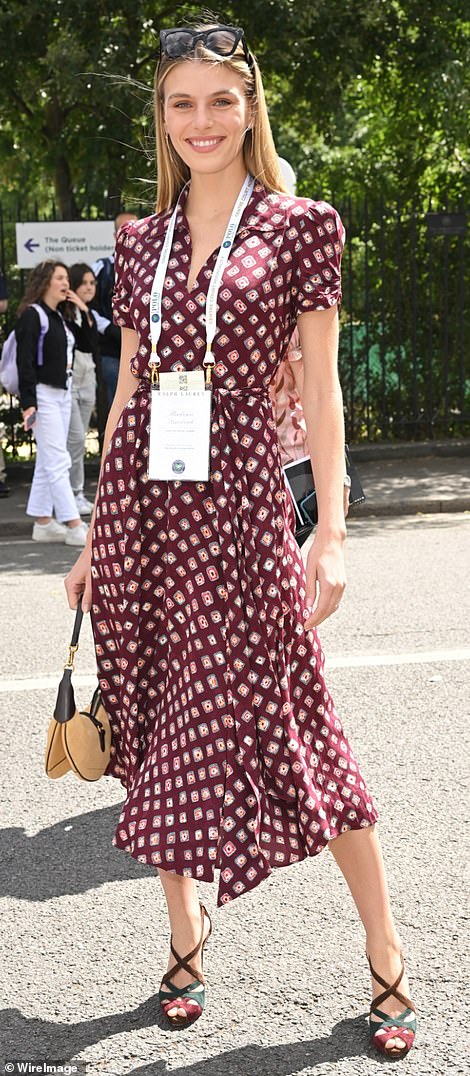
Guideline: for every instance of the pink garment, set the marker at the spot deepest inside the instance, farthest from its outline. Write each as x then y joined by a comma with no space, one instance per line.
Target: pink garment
288,413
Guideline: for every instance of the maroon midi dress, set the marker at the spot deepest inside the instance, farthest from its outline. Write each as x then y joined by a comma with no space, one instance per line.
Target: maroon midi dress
225,735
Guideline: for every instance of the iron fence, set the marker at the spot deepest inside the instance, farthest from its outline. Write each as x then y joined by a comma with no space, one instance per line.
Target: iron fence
403,357
404,326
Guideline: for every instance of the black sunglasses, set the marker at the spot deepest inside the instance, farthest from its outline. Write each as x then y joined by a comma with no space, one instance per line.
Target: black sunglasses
221,40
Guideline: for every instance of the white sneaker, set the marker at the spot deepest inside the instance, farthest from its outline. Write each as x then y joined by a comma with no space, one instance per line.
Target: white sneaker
76,535
84,506
49,532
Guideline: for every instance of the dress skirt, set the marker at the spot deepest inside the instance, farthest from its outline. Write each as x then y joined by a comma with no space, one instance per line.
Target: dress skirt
225,736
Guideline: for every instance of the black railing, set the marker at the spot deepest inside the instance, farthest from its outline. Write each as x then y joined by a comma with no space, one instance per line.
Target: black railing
403,358
403,346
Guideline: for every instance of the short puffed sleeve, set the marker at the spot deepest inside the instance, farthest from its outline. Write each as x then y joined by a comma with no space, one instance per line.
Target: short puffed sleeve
316,280
122,294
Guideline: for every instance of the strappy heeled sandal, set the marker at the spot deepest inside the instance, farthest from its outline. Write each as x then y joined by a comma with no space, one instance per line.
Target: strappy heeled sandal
191,998
392,1027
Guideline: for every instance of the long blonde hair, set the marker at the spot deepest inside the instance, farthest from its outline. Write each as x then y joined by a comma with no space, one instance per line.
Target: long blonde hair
258,149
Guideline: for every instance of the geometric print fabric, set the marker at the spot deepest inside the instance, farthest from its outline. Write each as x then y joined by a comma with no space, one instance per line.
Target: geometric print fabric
225,736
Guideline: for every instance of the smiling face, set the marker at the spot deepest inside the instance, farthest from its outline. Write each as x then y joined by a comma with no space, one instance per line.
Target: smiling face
206,115
58,287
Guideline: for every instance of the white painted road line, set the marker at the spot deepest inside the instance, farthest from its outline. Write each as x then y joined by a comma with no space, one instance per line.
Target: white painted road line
351,661
44,683
423,657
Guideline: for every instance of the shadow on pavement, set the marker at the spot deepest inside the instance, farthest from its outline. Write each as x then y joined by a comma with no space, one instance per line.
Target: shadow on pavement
58,861
33,1038
369,526
23,555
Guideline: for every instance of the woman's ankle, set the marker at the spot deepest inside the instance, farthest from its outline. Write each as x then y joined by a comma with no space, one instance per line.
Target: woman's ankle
383,940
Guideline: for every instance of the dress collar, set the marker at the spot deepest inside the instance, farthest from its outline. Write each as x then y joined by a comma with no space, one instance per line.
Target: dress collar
265,212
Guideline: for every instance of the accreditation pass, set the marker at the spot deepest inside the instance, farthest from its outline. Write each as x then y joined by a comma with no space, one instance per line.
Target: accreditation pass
180,427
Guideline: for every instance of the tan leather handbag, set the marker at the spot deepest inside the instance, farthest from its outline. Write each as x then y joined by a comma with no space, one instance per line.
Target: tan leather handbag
79,741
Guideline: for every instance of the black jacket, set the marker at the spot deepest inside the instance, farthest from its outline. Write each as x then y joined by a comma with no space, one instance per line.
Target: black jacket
86,335
54,370
110,339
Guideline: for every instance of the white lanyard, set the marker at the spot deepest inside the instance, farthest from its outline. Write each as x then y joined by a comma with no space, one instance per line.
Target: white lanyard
216,279
70,343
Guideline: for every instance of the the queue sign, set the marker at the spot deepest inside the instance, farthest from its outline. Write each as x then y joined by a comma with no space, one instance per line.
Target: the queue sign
65,241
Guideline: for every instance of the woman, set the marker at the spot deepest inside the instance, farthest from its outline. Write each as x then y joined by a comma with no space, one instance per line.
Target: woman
225,735
45,372
85,330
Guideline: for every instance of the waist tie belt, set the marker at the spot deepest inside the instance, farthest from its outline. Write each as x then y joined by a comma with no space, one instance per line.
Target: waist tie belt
218,390
256,391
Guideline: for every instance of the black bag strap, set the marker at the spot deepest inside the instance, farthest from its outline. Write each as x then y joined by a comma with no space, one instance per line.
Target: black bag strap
78,623
75,635
65,702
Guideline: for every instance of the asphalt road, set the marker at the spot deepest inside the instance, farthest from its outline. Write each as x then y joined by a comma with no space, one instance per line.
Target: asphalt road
83,935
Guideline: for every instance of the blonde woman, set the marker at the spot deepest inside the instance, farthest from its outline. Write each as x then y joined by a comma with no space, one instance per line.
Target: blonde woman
225,735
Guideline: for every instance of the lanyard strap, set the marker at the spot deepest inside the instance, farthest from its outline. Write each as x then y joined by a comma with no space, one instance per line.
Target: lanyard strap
70,342
216,279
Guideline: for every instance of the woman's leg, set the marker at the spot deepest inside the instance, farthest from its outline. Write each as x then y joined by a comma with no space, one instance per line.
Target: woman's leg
83,402
51,437
359,857
76,443
87,402
185,924
40,500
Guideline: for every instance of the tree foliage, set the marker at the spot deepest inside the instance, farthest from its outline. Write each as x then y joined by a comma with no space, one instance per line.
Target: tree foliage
363,94
368,100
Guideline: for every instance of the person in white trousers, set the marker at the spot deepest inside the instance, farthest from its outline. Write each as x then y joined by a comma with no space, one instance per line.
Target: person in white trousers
45,374
85,329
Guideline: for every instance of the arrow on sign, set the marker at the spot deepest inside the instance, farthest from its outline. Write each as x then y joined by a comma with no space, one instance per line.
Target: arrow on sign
30,245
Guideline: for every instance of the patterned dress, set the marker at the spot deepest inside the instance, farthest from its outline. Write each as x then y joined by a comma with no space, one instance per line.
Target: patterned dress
225,736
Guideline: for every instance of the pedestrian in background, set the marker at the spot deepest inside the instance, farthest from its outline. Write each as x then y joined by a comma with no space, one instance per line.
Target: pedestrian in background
3,294
110,334
45,397
285,391
85,330
224,733
4,487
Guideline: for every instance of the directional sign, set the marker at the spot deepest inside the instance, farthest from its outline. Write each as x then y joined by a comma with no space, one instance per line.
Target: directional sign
64,241
31,245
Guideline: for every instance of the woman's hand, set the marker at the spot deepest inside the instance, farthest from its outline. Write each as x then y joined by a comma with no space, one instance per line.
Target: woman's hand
27,413
78,581
72,297
325,567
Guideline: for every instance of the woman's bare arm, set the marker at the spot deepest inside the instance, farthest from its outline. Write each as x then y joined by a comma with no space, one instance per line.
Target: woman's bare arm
323,409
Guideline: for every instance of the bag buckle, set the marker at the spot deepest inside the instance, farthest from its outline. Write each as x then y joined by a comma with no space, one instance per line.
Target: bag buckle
70,664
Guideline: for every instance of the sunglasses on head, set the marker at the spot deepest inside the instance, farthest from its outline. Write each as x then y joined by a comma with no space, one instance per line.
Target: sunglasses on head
221,40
